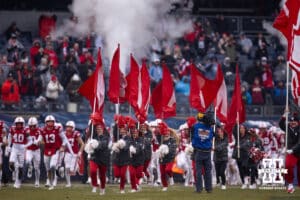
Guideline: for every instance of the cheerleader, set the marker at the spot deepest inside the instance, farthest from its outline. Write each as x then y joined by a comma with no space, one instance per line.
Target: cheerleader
121,155
167,152
100,155
137,156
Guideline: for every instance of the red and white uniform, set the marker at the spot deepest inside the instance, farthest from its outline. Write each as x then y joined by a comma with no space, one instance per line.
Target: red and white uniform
184,140
53,140
71,160
18,138
33,152
267,141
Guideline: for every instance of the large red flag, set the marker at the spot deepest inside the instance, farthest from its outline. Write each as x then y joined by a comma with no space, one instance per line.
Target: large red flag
117,81
237,107
221,98
138,89
144,95
203,91
132,88
94,89
288,23
163,96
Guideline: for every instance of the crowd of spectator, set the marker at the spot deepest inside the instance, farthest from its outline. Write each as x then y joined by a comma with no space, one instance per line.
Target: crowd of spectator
53,68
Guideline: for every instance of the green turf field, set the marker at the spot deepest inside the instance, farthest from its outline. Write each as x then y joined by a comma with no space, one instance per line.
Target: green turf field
83,192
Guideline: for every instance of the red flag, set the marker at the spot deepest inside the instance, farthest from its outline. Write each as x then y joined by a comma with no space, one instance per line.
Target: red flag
237,108
117,81
95,83
138,89
203,91
144,95
163,96
288,23
221,98
132,78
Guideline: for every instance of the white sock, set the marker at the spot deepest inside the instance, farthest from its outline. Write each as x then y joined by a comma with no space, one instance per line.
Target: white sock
37,175
68,177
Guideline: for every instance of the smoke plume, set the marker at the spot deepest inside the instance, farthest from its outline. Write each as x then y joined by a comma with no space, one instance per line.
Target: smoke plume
131,23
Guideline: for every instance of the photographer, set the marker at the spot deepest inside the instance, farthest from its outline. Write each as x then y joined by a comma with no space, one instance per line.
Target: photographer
202,135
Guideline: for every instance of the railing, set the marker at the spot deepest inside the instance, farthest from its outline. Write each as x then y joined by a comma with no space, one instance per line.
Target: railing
183,109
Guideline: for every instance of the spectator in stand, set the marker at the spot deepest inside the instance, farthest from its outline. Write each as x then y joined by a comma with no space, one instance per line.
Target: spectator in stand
202,45
155,72
183,68
279,94
86,57
28,85
72,58
77,51
279,72
207,28
257,92
72,88
34,51
188,52
252,72
12,29
267,77
222,42
14,49
246,96
228,71
52,56
230,49
37,58
10,92
190,37
260,41
68,71
177,52
261,51
64,46
54,88
2,77
245,44
43,70
5,65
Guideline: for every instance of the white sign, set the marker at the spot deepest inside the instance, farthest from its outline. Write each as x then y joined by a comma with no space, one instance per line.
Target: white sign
272,172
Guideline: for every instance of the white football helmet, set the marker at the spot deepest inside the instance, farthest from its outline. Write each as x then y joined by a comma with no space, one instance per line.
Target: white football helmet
32,121
19,120
50,118
71,124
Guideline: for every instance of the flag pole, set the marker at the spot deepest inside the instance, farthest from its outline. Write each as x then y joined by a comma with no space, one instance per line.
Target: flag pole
287,105
238,134
117,113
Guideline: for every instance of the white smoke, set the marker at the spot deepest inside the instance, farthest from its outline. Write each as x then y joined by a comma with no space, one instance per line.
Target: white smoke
131,23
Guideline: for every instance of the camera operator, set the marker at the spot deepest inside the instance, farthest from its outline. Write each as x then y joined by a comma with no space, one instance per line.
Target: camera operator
202,135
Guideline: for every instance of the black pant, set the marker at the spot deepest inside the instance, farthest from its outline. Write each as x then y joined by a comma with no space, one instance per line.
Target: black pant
243,169
253,171
220,167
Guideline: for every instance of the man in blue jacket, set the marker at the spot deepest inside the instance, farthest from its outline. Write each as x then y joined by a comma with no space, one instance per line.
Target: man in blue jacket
202,135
